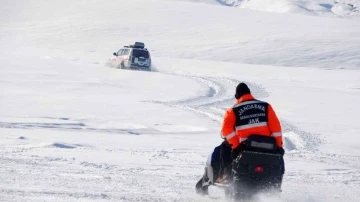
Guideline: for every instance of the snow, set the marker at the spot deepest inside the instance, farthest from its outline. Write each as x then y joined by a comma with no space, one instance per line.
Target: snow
334,8
73,129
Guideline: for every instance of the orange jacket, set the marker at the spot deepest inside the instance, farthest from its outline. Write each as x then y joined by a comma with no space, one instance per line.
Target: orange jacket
250,116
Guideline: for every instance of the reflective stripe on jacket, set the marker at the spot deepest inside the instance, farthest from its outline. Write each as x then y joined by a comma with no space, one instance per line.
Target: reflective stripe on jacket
250,116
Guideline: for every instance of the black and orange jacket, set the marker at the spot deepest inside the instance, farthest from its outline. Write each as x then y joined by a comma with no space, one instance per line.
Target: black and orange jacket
250,116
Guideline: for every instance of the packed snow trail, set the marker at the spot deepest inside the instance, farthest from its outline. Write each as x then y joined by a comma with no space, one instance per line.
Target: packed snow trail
212,101
218,96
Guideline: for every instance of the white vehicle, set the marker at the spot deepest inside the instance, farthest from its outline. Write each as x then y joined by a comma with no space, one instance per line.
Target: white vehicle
132,57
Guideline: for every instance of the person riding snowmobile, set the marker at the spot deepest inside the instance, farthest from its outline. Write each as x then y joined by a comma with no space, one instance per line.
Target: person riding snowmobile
248,116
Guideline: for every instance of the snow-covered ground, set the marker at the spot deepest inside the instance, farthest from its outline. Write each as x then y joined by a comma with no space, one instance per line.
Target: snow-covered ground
335,8
73,129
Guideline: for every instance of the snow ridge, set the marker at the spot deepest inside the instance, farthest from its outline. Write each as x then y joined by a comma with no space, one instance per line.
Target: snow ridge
341,8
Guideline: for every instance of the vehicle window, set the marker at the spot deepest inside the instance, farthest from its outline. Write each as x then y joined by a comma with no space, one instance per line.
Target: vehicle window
119,52
126,52
140,53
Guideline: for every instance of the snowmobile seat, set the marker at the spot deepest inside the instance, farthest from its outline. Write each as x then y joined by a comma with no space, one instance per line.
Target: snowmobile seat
260,152
260,143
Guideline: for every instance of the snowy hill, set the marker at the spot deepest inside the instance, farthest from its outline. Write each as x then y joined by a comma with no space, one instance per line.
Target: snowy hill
329,8
73,129
343,8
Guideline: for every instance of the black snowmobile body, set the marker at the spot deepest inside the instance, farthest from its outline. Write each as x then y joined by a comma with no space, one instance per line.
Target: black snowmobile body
258,168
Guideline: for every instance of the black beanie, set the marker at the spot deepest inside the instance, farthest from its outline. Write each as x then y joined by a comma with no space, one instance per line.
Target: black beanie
241,89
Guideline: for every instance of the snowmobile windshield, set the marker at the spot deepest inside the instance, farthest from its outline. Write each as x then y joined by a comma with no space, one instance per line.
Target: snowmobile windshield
140,53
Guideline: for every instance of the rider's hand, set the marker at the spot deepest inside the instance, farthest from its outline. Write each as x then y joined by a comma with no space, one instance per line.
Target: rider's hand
235,152
281,150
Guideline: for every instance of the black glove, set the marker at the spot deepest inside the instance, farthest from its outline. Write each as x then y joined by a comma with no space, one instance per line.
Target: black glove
235,152
281,150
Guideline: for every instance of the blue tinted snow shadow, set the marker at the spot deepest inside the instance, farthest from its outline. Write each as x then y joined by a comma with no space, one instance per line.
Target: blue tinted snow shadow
26,125
74,127
63,146
327,6
225,4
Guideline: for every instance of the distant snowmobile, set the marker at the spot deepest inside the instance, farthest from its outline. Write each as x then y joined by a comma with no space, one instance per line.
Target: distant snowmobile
259,168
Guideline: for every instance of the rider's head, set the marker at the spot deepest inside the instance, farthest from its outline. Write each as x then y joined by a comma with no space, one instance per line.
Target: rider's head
241,89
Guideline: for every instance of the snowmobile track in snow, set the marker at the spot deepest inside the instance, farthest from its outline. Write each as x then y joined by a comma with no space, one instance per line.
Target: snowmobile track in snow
215,99
219,95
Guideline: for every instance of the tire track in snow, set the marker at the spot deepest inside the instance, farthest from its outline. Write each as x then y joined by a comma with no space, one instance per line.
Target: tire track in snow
297,139
218,96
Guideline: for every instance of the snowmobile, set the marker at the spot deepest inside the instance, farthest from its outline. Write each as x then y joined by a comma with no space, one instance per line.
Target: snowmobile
258,168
